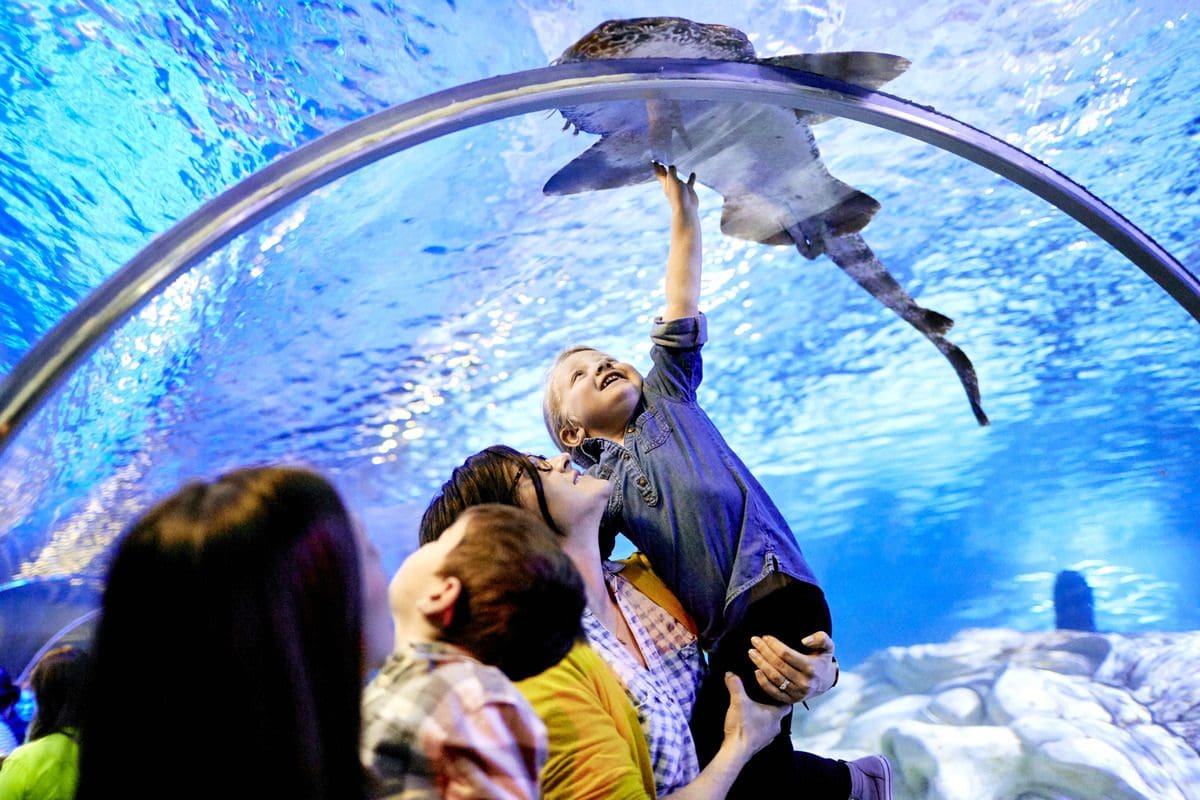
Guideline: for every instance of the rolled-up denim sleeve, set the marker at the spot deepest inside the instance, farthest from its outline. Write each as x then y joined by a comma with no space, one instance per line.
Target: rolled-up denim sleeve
680,334
678,367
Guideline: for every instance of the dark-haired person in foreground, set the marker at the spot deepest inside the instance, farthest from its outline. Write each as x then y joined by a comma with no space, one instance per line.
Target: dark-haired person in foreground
492,599
252,598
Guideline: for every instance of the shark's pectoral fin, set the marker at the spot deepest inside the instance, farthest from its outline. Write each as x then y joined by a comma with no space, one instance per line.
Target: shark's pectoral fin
614,161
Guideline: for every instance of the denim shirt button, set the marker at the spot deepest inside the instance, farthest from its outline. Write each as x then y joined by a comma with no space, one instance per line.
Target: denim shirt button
641,482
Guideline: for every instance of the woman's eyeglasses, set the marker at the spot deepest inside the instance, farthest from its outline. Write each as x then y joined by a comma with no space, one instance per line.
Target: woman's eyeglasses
540,463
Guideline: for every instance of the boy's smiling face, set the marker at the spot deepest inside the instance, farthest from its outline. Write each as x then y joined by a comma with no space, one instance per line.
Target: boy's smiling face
596,393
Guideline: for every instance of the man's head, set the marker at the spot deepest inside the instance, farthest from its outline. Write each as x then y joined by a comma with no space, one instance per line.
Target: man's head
497,584
589,394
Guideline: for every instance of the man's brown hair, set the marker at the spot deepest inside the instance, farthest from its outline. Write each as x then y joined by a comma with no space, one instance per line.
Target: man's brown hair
521,604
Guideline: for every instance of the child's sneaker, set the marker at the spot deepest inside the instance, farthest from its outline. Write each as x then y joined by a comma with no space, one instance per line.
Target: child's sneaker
870,778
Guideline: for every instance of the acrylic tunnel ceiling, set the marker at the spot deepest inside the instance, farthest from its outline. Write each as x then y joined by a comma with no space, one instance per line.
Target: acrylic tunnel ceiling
388,324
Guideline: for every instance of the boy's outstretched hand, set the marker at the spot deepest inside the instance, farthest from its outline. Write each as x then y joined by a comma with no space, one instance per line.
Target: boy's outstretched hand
681,196
683,258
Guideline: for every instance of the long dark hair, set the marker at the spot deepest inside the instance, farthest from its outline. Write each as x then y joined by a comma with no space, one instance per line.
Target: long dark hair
489,476
230,645
58,682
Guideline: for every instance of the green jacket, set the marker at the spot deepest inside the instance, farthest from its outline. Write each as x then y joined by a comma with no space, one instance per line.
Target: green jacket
45,769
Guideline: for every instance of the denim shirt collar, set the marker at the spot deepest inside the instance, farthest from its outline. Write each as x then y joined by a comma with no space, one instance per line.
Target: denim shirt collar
590,452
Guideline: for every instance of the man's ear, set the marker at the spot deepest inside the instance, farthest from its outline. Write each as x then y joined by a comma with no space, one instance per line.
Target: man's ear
438,603
571,434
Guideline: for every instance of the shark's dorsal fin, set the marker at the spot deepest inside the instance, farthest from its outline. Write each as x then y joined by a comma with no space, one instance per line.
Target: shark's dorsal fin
862,68
859,67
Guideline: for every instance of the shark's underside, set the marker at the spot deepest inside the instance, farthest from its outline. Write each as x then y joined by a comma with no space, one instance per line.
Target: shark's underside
763,159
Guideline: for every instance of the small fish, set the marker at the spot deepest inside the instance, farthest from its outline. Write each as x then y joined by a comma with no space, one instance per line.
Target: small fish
763,159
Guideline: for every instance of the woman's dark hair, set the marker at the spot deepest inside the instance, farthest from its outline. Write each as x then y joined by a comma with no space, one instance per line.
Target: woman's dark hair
229,650
492,476
489,476
58,682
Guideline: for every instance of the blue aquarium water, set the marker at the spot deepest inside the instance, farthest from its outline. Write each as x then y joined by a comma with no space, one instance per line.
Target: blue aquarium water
391,323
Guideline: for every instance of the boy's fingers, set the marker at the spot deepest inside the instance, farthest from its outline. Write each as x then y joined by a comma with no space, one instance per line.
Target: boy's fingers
692,181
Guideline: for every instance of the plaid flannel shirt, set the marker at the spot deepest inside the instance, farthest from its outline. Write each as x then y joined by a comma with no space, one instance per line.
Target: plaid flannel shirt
439,724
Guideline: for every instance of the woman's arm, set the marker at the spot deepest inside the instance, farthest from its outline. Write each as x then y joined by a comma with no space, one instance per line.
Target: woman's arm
749,727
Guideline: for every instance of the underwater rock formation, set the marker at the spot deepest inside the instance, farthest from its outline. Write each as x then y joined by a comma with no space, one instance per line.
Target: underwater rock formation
999,714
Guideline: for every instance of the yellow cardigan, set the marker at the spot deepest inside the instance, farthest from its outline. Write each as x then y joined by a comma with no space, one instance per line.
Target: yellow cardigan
597,747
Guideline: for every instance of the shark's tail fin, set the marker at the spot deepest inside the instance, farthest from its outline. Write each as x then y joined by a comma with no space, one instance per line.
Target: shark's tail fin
966,376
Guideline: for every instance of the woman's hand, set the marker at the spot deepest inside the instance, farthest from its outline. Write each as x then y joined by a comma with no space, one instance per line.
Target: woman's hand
790,676
749,726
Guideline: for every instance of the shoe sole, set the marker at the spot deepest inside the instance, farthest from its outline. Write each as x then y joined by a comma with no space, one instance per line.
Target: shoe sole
887,777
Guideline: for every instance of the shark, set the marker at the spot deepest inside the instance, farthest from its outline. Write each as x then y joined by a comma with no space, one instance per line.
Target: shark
762,159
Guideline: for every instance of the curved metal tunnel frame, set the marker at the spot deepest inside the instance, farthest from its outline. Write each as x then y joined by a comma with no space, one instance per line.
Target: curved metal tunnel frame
401,127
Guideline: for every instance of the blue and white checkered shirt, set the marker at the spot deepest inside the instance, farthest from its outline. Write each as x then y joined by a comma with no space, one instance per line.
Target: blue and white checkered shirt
664,691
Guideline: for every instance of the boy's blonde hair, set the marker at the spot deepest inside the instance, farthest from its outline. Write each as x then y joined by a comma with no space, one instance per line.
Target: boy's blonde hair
552,413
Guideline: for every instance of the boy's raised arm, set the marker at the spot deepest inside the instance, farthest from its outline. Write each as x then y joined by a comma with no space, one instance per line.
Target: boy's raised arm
684,255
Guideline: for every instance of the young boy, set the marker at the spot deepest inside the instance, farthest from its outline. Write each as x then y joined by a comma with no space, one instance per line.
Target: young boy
711,533
493,600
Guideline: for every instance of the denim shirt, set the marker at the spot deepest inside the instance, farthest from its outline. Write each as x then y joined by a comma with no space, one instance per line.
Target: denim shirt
684,498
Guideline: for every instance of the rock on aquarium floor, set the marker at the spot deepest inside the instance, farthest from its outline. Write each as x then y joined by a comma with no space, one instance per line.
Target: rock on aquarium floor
999,714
